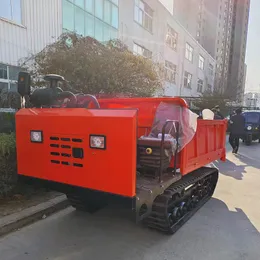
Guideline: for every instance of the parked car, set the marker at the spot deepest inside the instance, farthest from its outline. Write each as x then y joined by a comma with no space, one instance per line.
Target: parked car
252,126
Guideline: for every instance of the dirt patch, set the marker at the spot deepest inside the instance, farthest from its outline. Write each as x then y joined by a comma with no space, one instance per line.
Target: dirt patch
18,202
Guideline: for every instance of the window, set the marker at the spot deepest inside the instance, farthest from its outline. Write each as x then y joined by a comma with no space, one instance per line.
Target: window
115,2
99,9
13,72
68,16
211,69
187,79
89,25
189,52
111,13
11,10
115,16
99,30
79,21
10,75
140,50
107,13
170,72
201,62
89,6
3,86
171,38
13,87
79,17
144,15
79,3
200,86
3,72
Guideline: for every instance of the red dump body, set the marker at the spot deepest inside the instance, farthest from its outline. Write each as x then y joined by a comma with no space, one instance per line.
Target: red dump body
113,169
207,145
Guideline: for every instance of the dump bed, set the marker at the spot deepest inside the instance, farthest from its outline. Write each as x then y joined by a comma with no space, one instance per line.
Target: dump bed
207,145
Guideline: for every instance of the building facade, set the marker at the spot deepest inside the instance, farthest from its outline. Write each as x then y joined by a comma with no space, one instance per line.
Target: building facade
237,67
252,99
26,27
146,27
220,26
189,69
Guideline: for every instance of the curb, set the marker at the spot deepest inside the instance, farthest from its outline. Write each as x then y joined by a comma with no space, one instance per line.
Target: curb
30,215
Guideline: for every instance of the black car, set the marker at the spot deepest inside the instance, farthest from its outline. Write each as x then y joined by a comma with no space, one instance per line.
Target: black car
252,126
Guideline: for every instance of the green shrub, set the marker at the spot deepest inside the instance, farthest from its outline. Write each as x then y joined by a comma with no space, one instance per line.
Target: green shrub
8,165
7,120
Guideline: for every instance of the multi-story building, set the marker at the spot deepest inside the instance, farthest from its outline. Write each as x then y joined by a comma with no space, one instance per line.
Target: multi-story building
155,33
237,67
252,99
220,26
146,27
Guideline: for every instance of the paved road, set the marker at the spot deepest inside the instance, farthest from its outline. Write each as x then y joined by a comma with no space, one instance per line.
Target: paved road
227,227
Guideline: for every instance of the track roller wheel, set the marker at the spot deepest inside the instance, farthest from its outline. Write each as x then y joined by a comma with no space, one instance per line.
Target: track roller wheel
181,200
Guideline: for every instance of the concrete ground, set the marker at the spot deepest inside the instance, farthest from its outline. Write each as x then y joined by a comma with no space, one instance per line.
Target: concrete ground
227,227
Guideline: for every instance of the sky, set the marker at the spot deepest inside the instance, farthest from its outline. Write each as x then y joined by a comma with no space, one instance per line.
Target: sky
253,49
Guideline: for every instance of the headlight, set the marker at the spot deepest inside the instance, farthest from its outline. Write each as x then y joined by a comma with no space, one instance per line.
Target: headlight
97,142
36,137
249,127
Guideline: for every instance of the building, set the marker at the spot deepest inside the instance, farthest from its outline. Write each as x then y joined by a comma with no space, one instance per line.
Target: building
26,27
237,67
146,27
252,99
220,26
189,68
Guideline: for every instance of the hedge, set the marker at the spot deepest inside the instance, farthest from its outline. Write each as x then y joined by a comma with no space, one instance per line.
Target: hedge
7,120
8,165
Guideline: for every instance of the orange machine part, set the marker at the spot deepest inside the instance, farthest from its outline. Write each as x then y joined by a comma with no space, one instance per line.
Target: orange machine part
112,170
208,145
146,108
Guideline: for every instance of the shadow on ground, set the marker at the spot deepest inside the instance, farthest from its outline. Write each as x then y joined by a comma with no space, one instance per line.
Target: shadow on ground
249,161
231,169
213,233
246,157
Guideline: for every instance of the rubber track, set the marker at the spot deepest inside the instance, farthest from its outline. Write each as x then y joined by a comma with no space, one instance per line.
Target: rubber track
159,219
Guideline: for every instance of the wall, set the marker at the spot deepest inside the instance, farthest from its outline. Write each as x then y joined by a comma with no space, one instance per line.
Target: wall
41,25
130,32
